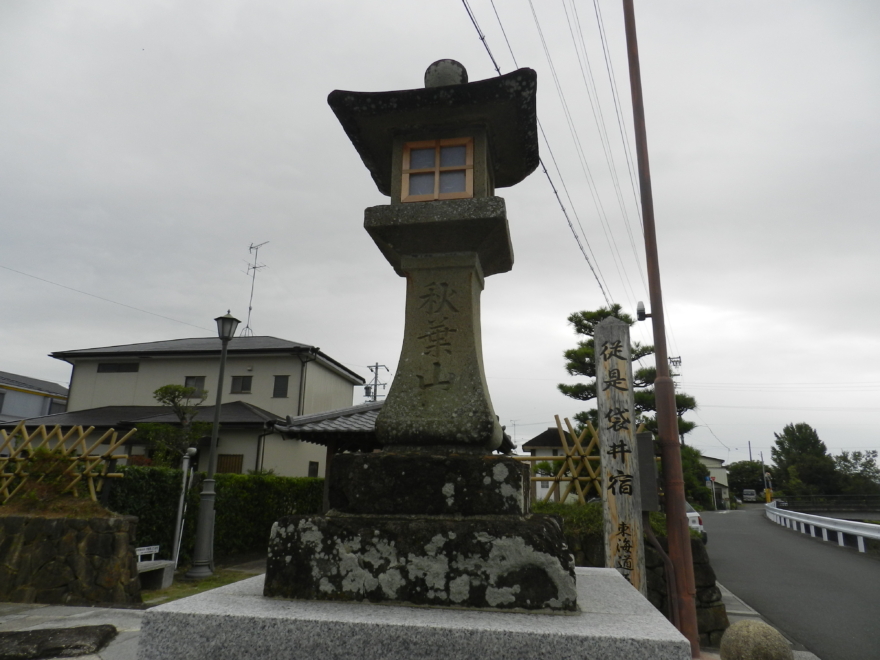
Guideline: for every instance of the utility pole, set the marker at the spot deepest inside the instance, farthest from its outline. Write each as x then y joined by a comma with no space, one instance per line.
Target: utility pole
371,390
664,389
750,451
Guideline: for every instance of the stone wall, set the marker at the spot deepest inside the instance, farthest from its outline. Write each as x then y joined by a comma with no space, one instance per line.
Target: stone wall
68,561
589,550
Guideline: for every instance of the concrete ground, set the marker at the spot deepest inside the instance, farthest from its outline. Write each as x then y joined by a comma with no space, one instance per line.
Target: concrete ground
14,616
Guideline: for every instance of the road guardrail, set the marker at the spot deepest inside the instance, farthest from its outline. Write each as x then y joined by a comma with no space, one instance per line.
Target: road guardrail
840,528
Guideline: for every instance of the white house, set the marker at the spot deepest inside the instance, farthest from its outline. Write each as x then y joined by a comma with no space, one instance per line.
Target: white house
266,380
719,471
22,397
546,444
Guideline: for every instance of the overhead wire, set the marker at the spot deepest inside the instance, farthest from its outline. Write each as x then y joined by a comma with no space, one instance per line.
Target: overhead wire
115,302
586,69
598,275
627,149
585,167
594,270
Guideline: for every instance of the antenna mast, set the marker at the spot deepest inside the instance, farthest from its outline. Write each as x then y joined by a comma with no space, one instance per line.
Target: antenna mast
252,271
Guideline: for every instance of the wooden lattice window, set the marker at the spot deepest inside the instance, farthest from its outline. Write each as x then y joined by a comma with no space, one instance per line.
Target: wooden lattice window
230,463
438,169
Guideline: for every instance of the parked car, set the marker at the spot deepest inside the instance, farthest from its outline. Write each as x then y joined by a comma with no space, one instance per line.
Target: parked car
695,521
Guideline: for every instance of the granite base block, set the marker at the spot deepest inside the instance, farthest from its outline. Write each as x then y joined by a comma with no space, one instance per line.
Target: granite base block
497,562
237,623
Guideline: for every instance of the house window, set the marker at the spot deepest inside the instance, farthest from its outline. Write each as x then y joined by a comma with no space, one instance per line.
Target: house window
197,383
438,169
2,396
241,384
556,452
230,463
313,468
545,485
280,389
117,367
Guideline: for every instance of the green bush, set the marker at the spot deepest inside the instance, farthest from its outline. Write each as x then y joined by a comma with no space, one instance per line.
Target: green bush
581,519
245,506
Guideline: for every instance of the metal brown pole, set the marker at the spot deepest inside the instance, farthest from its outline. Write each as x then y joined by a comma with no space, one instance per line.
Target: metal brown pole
664,391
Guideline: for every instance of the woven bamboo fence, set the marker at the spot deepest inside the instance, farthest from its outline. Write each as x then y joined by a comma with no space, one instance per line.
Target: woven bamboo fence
74,455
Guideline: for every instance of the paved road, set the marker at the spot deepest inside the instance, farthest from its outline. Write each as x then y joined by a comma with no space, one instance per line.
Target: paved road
823,596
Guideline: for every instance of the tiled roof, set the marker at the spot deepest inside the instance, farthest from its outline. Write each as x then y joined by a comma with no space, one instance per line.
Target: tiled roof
355,427
26,382
105,416
207,346
549,438
236,413
233,413
194,345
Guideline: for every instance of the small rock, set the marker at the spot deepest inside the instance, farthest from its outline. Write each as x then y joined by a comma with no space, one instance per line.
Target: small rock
54,642
754,640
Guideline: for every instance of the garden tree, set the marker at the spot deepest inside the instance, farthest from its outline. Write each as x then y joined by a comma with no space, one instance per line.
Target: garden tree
695,474
802,464
580,361
858,472
745,474
168,443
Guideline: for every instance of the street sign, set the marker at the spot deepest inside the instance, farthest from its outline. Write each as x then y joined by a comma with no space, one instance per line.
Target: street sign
712,478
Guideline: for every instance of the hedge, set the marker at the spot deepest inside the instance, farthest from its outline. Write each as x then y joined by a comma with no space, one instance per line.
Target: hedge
246,506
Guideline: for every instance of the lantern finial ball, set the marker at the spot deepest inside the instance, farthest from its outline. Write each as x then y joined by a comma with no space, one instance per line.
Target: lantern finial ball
445,72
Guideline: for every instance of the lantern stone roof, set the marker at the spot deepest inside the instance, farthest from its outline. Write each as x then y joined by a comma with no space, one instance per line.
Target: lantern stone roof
504,106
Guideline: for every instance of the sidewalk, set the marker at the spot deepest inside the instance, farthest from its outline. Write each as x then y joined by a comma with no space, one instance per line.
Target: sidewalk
14,616
737,610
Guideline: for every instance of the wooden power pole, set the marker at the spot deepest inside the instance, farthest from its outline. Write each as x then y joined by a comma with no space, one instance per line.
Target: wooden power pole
664,391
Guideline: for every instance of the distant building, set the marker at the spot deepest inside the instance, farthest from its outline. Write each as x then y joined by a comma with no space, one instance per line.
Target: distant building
719,471
266,381
546,444
22,397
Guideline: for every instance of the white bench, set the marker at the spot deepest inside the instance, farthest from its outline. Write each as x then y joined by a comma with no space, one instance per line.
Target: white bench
153,573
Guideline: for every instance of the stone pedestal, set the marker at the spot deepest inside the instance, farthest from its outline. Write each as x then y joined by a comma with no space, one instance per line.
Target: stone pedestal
438,530
237,623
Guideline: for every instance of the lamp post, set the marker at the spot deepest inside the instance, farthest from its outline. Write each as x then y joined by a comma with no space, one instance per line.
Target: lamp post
204,550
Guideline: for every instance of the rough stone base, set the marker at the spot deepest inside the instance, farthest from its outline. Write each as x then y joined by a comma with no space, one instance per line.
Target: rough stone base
68,561
236,623
498,562
418,484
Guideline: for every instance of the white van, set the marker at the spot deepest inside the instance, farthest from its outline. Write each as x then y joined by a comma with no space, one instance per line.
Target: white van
749,495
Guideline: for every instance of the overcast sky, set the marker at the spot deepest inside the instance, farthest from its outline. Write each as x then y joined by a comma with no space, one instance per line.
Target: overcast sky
147,145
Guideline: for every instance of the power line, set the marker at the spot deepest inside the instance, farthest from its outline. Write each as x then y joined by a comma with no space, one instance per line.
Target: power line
92,295
585,168
543,167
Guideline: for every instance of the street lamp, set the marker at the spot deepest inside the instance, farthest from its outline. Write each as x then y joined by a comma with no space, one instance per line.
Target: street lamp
204,550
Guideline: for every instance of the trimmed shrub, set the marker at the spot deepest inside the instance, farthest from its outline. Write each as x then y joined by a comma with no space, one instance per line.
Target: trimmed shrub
246,506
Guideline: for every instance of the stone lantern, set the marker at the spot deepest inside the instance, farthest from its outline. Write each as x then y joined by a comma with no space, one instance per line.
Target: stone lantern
440,152
435,518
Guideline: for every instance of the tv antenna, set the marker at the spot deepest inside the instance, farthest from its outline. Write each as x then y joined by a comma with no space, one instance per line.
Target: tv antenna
252,271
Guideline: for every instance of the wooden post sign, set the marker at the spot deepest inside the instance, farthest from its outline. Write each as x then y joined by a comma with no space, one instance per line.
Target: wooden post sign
624,543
